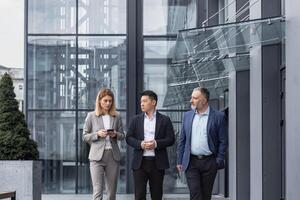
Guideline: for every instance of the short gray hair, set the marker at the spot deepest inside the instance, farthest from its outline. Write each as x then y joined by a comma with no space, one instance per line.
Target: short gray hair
204,91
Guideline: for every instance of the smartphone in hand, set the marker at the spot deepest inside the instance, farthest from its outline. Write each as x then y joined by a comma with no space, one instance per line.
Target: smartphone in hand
110,131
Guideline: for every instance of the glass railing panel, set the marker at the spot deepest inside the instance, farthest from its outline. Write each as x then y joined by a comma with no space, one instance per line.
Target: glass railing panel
225,39
211,73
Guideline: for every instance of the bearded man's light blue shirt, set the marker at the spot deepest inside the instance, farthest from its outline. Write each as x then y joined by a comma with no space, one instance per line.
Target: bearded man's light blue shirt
199,141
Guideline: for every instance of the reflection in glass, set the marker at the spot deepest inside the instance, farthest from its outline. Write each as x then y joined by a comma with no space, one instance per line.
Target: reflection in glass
174,182
212,74
55,134
105,16
64,74
101,63
53,16
205,56
228,39
159,48
84,176
155,78
157,58
51,72
158,53
169,16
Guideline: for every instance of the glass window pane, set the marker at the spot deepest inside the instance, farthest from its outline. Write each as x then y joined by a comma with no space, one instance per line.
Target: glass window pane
159,48
123,179
169,16
232,38
158,55
174,182
53,16
84,177
155,78
101,63
55,135
51,72
105,16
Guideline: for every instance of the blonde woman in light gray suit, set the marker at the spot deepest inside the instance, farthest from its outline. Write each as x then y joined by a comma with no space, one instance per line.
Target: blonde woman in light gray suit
102,129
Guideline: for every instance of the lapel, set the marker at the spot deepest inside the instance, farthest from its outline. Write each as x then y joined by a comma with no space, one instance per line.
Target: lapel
157,124
111,125
209,121
140,128
101,123
190,122
112,121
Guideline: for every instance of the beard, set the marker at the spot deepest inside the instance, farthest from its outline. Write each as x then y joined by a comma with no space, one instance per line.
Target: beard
199,105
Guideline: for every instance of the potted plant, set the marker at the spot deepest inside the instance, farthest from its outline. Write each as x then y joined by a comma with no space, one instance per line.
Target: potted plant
19,169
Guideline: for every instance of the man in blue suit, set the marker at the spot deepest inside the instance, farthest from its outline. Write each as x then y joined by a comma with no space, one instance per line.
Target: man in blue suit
202,145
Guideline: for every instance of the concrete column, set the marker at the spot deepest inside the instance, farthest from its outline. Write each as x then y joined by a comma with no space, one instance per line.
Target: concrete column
232,136
255,114
292,99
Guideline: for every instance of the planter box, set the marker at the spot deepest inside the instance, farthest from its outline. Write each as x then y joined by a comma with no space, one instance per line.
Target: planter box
24,177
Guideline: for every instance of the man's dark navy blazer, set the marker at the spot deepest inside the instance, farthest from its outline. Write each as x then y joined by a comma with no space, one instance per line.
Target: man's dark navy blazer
216,134
164,136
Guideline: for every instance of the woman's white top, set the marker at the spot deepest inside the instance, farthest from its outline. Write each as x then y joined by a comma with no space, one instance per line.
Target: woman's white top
106,123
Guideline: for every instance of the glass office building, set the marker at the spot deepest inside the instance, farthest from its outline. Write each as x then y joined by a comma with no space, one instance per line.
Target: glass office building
76,47
234,48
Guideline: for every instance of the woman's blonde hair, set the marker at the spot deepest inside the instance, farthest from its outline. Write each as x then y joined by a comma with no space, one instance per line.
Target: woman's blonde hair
102,93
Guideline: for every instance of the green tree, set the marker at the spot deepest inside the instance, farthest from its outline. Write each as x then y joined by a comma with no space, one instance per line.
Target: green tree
15,142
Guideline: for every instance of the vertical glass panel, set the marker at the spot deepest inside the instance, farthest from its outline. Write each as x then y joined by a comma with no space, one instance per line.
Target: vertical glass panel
101,63
174,182
123,179
84,177
159,48
51,72
155,78
55,134
55,16
169,16
104,16
157,59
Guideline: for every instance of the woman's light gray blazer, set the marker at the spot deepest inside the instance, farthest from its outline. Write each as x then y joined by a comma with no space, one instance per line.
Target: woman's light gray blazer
93,124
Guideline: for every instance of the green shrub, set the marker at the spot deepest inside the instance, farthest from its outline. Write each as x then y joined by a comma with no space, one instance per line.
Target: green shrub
15,142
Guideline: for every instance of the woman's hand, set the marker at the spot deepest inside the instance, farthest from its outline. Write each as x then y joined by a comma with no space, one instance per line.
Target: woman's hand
102,133
112,134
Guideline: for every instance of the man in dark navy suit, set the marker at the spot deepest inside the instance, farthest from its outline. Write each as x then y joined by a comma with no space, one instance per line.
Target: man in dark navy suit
149,133
202,145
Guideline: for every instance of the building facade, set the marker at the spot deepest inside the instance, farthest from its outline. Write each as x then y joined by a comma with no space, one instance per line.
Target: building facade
17,75
242,50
